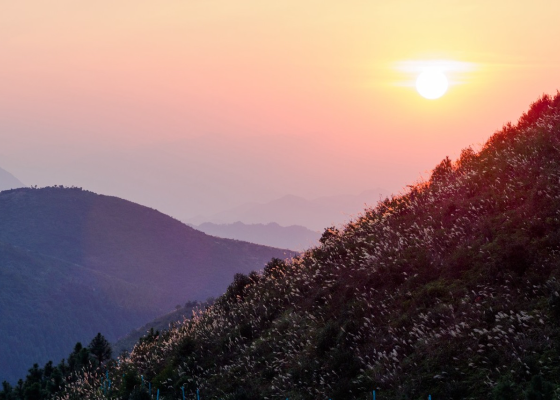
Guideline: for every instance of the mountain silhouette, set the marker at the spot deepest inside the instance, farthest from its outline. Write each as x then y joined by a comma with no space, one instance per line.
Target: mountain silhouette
293,237
8,181
316,214
75,263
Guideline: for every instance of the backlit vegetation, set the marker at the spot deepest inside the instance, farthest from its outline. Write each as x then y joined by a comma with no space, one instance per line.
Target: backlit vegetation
450,289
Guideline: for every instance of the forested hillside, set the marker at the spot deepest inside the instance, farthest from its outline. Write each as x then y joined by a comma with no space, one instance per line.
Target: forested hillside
74,263
47,305
160,324
450,290
126,240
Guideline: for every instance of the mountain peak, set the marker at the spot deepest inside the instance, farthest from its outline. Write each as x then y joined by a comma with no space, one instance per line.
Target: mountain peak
103,263
9,181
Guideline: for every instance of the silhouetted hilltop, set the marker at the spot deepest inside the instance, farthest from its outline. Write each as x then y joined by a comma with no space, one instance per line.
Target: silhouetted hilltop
8,181
88,263
126,240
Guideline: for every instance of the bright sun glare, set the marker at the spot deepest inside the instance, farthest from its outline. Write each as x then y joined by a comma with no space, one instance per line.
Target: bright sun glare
433,77
432,83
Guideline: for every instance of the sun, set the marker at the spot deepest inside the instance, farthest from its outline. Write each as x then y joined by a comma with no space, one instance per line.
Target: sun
432,83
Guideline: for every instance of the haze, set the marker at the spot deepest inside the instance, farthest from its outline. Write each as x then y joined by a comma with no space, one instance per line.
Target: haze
193,107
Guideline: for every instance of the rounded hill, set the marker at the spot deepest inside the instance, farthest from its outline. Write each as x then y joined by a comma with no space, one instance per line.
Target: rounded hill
85,263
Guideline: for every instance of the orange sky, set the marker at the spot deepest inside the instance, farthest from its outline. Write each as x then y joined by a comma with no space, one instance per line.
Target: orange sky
195,106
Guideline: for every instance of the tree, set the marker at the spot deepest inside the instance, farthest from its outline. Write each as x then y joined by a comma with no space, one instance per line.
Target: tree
442,171
329,233
6,393
139,393
540,389
275,268
505,390
35,374
100,348
150,337
33,392
79,358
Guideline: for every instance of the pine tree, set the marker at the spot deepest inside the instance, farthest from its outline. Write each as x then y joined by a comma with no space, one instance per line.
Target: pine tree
80,358
100,348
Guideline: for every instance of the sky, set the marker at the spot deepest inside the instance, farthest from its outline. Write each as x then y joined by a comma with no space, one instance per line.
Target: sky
192,107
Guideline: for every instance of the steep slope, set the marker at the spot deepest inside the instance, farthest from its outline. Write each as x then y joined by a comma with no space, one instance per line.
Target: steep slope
127,241
8,181
293,237
160,324
75,263
451,289
47,305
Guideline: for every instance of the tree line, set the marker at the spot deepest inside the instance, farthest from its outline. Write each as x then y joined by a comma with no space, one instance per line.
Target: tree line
42,383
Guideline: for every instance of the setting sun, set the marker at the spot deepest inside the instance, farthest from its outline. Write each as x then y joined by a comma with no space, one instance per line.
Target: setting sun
432,83
433,77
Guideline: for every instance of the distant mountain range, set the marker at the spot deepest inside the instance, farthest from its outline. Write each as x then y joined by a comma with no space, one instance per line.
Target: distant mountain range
315,215
8,181
292,237
74,263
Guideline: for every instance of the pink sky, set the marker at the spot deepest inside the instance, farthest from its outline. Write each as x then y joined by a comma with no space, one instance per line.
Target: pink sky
192,107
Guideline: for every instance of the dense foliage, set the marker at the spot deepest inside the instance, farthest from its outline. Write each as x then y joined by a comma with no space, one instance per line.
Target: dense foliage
451,289
160,324
47,304
86,262
41,383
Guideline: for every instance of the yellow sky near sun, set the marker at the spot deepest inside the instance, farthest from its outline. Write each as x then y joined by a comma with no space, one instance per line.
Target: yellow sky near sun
317,45
135,72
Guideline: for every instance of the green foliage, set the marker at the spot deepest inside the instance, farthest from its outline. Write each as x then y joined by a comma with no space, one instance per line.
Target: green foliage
51,380
237,289
153,329
140,393
79,358
540,389
131,383
505,390
33,392
100,348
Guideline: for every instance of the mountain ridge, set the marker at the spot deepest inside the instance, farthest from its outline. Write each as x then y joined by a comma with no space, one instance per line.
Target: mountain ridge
9,181
315,214
450,290
294,237
120,263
